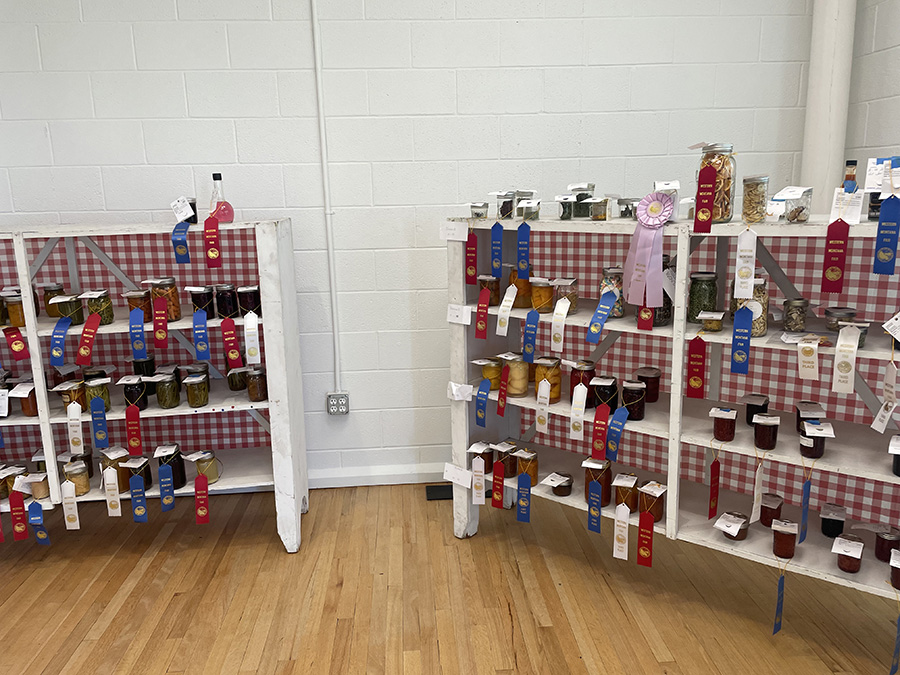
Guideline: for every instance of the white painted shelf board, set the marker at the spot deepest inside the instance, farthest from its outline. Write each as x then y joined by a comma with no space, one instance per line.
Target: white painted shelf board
120,325
582,319
577,225
816,227
813,557
16,418
241,470
139,229
553,459
221,399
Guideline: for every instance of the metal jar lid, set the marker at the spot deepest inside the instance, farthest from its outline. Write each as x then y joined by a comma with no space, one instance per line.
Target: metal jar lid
224,287
796,302
53,287
202,289
612,271
840,312
634,384
718,147
164,281
648,371
892,534
704,276
256,370
755,179
540,283
584,365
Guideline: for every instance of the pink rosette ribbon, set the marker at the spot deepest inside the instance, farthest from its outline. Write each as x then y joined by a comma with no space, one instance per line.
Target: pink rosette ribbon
643,267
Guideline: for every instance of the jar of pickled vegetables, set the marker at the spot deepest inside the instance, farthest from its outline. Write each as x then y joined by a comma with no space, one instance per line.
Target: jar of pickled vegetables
613,281
197,389
568,289
582,373
257,385
140,300
70,306
166,288
720,157
168,393
548,369
99,302
50,292
226,301
755,199
703,294
98,388
517,384
542,296
237,379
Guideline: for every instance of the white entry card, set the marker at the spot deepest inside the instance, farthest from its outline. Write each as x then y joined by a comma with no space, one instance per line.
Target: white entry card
457,475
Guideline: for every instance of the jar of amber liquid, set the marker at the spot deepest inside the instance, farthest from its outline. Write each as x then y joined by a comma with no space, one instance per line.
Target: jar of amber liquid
166,288
29,404
16,310
602,475
493,286
50,292
202,298
523,289
765,431
847,562
491,370
656,506
77,472
103,306
140,300
510,462
627,495
885,542
607,391
784,539
517,384
542,296
651,377
548,369
249,300
123,474
74,393
226,301
633,398
770,509
97,388
257,387
569,291
528,463
583,373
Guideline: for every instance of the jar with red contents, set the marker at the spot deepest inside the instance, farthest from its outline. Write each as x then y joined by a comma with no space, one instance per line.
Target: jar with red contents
651,377
849,553
724,422
808,411
582,373
633,398
770,508
765,431
598,470
885,542
784,540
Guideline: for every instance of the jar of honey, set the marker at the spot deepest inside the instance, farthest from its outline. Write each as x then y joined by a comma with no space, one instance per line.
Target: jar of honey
257,384
582,373
542,296
770,509
50,292
600,471
73,392
784,538
16,309
548,369
651,377
114,457
28,403
626,490
528,463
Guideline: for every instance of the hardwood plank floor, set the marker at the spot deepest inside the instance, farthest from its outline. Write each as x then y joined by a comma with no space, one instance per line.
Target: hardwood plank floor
381,586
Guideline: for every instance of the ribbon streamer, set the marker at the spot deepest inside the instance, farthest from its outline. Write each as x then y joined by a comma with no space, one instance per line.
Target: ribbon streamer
643,268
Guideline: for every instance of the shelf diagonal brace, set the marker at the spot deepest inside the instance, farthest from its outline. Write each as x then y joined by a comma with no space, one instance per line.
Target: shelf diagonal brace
41,258
605,345
529,434
72,265
108,263
774,269
869,398
694,245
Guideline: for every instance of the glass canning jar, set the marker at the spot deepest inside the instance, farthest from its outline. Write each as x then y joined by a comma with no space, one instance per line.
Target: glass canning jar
627,495
765,431
784,539
103,306
755,199
50,292
600,472
650,376
846,562
491,369
517,384
166,288
770,508
794,320
249,300
98,388
583,373
607,391
72,308
759,305
634,398
140,300
703,294
662,316
720,156
724,423
202,298
135,394
523,289
257,387
834,315
168,393
542,296
548,369
197,389
226,301
885,542
16,309
569,291
613,281
493,286
146,367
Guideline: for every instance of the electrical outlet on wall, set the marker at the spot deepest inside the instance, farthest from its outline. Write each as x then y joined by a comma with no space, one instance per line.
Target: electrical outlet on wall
338,403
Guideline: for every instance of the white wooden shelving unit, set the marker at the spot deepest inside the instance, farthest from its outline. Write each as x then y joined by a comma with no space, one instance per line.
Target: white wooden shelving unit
282,465
856,451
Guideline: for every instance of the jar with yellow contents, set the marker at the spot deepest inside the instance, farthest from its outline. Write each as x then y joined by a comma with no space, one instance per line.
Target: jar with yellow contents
523,289
547,368
517,384
491,369
542,295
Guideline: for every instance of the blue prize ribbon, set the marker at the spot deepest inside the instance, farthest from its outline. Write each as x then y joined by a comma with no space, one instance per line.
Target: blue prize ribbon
58,342
2,442
850,186
804,517
779,605
201,336
601,314
523,262
179,243
166,487
136,334
886,241
614,433
138,499
895,662
740,341
481,402
523,500
529,342
36,520
497,250
594,492
98,423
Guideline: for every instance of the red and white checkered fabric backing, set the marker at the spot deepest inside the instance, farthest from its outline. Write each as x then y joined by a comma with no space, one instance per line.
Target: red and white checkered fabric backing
141,258
774,373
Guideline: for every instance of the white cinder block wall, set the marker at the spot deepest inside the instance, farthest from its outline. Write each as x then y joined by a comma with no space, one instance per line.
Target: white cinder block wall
109,109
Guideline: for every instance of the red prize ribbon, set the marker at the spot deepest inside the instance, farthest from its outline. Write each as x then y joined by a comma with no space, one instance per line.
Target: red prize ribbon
645,318
211,242
160,323
19,517
472,259
645,539
598,436
497,485
201,499
706,194
484,297
16,343
133,430
835,257
714,489
501,396
86,345
229,337
696,370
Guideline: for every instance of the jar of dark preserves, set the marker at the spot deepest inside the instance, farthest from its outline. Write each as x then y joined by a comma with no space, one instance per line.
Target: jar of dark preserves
651,501
756,404
832,518
765,431
582,373
564,489
202,298
770,509
885,542
724,422
172,456
249,300
146,367
633,398
598,470
135,394
510,461
651,377
627,491
849,553
606,390
743,529
784,538
808,411
226,301
140,300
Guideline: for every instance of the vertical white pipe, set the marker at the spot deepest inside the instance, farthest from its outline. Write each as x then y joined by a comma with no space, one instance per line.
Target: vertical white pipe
326,193
827,99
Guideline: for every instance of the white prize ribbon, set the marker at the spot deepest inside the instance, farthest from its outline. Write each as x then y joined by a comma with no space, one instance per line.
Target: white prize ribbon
4,402
251,338
620,540
889,394
542,418
757,494
111,490
808,358
76,439
745,266
558,332
576,418
505,307
70,506
845,360
478,480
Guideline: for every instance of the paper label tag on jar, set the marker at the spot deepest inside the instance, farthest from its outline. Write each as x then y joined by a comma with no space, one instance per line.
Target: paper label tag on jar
555,479
895,557
56,299
843,546
251,338
182,209
785,527
723,413
729,524
620,540
114,453
767,420
22,484
165,450
128,379
558,331
653,488
818,430
478,447
624,480
833,512
602,381
669,282
478,480
746,263
806,442
505,308
757,494
842,379
576,419
481,362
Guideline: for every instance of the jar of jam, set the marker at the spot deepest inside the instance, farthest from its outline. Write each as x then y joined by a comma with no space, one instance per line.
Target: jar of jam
650,502
493,286
756,404
166,288
517,384
119,456
226,301
135,393
885,542
765,431
784,538
73,392
202,298
606,390
568,289
528,463
613,280
651,377
812,447
564,489
510,461
28,403
583,373
794,320
832,518
197,389
16,310
703,295
548,369
140,300
100,303
598,470
523,289
249,300
770,508
172,456
626,494
257,389
848,546
168,392
542,296
808,411
146,367
724,421
744,527
895,571
633,398
140,466
834,315
50,292
487,455
98,388
895,465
